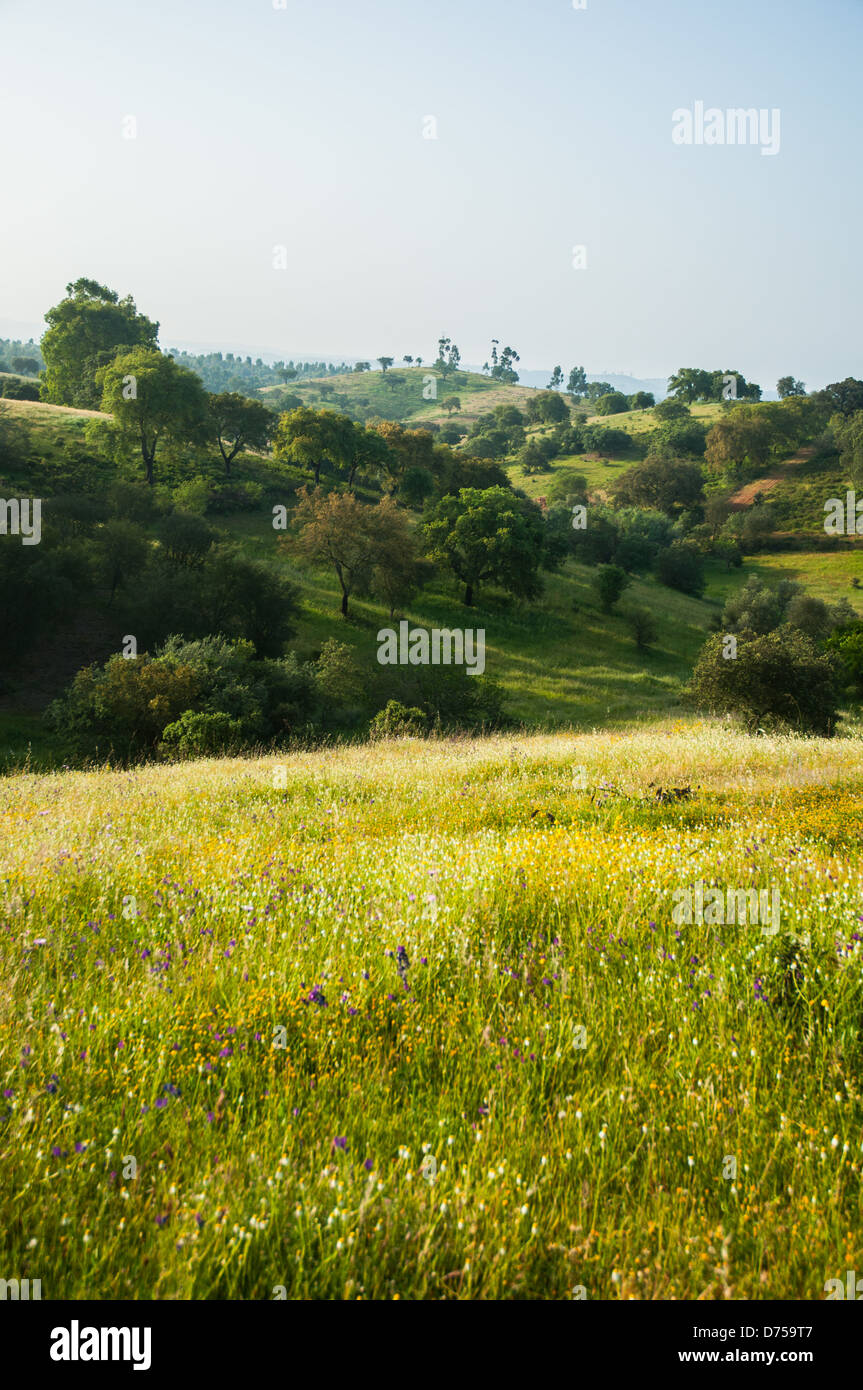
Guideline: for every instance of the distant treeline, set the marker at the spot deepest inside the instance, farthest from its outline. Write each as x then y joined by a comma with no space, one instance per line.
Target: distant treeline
225,371
24,358
219,371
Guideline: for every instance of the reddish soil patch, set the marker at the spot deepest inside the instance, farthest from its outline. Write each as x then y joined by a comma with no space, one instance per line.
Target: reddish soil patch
745,496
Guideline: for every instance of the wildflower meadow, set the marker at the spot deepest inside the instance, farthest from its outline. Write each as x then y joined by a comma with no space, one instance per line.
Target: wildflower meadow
415,1020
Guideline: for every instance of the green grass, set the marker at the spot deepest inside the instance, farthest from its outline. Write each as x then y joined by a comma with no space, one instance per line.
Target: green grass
181,1119
825,574
601,474
370,394
561,661
52,437
558,664
645,422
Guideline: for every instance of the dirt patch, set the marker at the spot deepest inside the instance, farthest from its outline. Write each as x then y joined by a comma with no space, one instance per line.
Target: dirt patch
745,496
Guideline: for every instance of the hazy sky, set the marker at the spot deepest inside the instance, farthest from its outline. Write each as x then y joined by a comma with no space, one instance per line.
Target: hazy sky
303,127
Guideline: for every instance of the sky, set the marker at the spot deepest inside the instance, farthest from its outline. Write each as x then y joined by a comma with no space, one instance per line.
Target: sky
305,125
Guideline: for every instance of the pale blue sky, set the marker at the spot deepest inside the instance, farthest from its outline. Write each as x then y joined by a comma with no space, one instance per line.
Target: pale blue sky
303,126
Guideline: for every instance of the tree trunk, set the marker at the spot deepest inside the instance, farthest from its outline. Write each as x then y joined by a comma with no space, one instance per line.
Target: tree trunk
338,570
468,595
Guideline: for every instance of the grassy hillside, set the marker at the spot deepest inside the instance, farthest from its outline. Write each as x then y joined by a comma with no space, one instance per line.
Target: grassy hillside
561,661
600,473
219,1086
371,393
644,421
51,440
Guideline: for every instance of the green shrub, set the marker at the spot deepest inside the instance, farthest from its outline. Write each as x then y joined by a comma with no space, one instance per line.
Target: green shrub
776,679
235,497
127,706
448,697
609,583
568,486
193,496
339,677
14,389
126,703
680,566
132,502
642,625
186,538
398,721
847,643
227,593
416,485
679,437
613,403
196,735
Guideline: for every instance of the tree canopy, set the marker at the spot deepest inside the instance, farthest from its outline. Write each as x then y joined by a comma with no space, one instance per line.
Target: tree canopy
152,399
237,422
85,331
488,535
360,543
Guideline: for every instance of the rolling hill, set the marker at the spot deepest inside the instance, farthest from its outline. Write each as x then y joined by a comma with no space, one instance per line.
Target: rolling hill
562,662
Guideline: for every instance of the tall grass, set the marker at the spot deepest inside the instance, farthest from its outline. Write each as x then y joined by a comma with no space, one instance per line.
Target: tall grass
586,1076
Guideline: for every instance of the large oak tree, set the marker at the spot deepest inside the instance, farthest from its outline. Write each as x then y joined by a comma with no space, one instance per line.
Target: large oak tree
488,536
85,331
236,423
151,400
360,543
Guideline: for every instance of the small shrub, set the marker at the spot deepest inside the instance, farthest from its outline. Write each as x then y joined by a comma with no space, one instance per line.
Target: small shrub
186,538
198,735
643,626
398,721
609,583
192,496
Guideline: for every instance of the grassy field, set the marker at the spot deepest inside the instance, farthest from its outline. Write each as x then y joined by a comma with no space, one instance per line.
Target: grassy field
644,421
398,394
561,660
599,473
216,1084
827,574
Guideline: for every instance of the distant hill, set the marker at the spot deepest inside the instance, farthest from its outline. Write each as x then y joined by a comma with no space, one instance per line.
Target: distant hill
627,384
398,394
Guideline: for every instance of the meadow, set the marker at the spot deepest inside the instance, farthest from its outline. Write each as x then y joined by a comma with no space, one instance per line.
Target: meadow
555,1092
